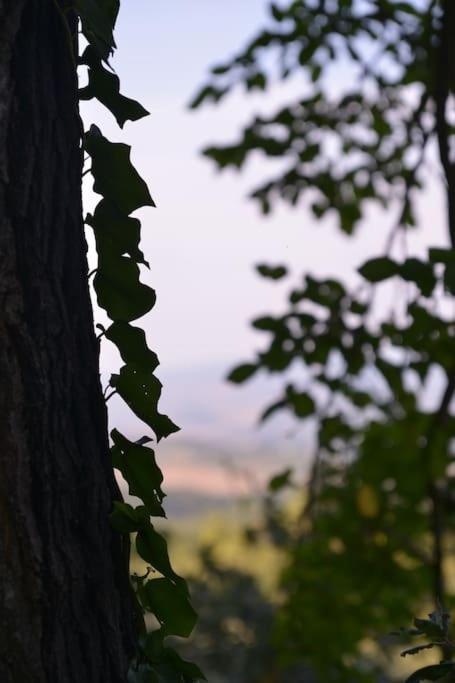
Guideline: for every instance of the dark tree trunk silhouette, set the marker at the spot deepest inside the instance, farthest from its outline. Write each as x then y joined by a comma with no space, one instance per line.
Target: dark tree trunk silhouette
65,609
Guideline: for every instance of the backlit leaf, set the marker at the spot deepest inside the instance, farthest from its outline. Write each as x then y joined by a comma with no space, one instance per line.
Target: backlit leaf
115,176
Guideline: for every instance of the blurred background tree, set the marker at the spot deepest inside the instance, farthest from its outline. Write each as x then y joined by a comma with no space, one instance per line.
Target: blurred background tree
371,366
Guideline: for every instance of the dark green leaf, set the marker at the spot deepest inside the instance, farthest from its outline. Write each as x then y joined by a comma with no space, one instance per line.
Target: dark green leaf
280,481
301,403
415,270
115,233
271,272
127,519
378,269
241,373
115,176
105,86
267,323
152,547
98,19
171,606
141,390
119,290
138,466
132,345
437,255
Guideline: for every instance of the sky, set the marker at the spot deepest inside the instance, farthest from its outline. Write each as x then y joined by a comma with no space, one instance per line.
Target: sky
205,236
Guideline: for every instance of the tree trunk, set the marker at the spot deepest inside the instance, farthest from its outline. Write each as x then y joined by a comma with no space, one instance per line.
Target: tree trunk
65,608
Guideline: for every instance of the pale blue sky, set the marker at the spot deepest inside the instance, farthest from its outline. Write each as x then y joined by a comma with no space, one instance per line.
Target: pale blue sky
205,236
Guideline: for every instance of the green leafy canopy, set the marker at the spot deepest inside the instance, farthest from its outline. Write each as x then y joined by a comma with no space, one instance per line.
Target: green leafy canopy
373,541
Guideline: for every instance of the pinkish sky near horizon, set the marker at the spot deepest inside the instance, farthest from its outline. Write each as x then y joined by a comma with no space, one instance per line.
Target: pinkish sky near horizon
205,236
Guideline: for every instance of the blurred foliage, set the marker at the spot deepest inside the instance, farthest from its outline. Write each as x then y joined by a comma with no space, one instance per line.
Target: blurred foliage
376,536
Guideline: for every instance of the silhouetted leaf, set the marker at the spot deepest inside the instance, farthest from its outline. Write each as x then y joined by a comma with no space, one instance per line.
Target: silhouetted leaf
280,481
378,269
170,604
152,547
105,86
420,272
438,255
141,391
115,176
300,402
127,519
119,290
241,373
272,272
115,233
138,466
132,345
98,19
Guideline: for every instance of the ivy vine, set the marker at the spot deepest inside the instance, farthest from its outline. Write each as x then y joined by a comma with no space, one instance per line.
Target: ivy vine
125,298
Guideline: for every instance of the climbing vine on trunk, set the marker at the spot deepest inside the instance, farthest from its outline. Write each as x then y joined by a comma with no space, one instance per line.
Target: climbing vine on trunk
125,298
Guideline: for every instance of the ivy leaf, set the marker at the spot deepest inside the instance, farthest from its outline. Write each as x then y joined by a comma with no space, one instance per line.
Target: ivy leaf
116,179
119,290
116,233
272,272
152,547
105,87
138,466
127,519
171,606
378,269
141,391
98,19
431,673
132,345
241,373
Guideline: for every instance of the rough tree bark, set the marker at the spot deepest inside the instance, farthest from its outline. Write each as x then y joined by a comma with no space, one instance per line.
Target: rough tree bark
65,610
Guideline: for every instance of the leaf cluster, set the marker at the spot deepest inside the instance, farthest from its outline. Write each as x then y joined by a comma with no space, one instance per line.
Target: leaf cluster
125,298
